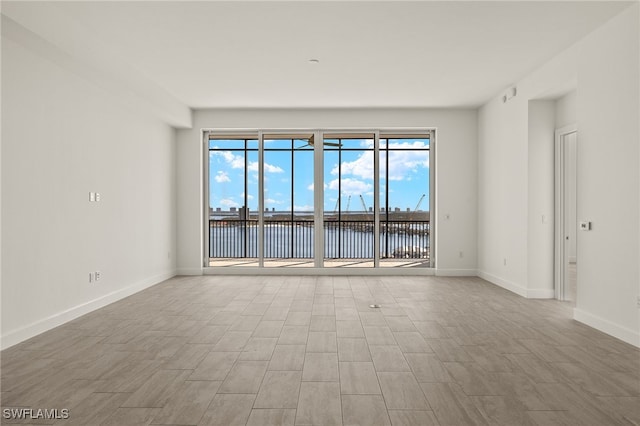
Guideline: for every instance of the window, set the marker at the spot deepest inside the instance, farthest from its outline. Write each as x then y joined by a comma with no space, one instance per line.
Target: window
373,209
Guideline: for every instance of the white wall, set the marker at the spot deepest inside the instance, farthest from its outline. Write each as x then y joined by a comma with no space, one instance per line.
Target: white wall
608,143
63,137
566,109
606,67
456,171
540,189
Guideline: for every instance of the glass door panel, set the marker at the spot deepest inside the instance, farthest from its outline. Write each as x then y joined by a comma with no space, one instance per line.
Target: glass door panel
233,201
349,164
288,201
404,197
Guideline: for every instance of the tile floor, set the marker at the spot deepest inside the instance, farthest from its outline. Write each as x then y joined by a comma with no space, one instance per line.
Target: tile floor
296,350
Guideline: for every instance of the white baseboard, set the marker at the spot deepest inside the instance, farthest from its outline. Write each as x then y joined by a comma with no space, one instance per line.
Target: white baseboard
507,285
379,272
23,333
632,337
456,272
540,293
189,271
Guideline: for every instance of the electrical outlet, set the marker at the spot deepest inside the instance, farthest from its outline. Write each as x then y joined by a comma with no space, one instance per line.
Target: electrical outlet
97,197
97,275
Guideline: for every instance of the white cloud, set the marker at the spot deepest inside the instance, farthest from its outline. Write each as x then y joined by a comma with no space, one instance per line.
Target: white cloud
268,168
222,177
361,167
401,163
351,186
227,202
271,201
237,162
305,208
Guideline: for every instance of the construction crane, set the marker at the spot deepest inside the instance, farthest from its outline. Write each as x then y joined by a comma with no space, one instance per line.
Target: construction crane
335,209
364,206
348,203
419,202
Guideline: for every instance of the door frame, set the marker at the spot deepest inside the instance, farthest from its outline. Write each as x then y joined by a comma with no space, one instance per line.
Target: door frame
318,267
560,270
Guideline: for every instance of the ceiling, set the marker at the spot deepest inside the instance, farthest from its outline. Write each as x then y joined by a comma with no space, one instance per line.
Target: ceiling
238,54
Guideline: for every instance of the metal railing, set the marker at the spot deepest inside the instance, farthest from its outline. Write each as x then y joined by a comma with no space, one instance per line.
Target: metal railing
286,239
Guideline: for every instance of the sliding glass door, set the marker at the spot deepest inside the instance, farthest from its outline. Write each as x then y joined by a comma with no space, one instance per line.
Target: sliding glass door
319,199
349,206
288,200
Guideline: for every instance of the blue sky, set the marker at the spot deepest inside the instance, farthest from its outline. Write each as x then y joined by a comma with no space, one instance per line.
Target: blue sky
408,176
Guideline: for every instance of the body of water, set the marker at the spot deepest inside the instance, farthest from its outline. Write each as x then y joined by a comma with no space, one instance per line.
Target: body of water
354,241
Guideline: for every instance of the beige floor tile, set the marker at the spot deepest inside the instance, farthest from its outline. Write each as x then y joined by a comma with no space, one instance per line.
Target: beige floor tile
364,410
350,328
400,323
449,350
228,410
320,367
358,378
412,418
377,335
401,391
245,323
215,366
319,404
131,416
322,341
451,406
244,377
258,349
232,341
209,334
347,314
272,417
294,335
323,323
188,403
276,313
279,389
268,329
353,349
388,358
369,319
93,409
431,330
287,358
298,318
156,391
188,357
325,309
411,341
427,368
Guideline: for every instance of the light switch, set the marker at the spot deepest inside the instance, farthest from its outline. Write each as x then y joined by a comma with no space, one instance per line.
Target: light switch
92,196
585,226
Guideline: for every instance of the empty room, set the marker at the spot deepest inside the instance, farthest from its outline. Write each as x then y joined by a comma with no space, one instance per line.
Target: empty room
320,213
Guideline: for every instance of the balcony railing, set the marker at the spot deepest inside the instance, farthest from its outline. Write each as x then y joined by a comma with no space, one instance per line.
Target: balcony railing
295,239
